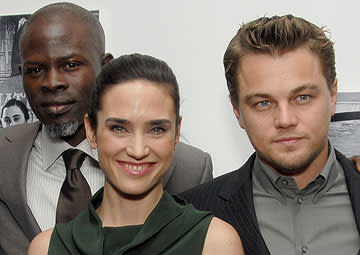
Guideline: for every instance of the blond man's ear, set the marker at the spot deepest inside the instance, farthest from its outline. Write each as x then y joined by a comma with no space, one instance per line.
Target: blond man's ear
237,113
333,96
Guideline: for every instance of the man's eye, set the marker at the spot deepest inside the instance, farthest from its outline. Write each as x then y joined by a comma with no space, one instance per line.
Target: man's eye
71,65
157,130
34,71
302,98
262,104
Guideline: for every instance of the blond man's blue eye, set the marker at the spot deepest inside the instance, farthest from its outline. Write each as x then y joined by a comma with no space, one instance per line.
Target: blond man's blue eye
303,97
264,103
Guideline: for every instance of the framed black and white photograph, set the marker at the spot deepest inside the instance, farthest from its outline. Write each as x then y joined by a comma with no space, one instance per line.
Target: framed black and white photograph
13,103
344,131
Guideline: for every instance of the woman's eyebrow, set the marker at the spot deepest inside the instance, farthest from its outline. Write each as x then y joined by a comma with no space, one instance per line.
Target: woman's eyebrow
159,122
117,120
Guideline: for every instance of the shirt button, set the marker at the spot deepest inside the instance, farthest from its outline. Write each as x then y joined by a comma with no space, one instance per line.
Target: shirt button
304,249
285,182
318,180
300,201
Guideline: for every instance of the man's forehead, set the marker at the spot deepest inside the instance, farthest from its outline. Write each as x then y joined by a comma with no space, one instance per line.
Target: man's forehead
66,22
60,33
267,75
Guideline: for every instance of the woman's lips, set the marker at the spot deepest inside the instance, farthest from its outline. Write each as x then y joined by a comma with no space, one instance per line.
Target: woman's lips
136,169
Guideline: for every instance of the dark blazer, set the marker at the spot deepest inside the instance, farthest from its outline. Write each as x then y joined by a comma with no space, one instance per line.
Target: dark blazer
18,226
230,198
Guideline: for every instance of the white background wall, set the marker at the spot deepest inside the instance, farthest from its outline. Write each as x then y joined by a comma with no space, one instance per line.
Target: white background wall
192,35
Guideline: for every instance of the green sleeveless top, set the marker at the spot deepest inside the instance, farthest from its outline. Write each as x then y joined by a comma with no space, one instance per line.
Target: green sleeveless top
173,227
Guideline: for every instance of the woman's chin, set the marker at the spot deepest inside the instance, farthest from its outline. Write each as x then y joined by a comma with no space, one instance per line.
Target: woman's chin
136,192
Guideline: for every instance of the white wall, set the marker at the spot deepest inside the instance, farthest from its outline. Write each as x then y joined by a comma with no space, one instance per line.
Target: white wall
192,37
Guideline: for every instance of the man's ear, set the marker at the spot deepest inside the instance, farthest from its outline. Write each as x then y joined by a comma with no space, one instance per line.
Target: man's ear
106,58
333,96
237,113
90,132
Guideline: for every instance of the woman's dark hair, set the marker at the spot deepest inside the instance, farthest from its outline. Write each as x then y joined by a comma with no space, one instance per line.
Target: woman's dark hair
133,67
19,104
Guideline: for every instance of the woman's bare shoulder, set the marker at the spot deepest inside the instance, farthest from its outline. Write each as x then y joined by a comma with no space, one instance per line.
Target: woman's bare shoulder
40,244
222,238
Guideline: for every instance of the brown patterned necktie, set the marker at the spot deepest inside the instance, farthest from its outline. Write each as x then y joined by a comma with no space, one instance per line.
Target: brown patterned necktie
75,191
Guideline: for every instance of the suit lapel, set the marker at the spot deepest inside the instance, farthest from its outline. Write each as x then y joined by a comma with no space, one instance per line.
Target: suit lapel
166,177
14,162
352,177
240,210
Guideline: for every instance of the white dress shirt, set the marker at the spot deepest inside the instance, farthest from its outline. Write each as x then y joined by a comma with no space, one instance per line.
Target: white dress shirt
46,173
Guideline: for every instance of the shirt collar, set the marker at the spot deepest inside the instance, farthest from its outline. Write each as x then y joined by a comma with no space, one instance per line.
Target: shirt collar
51,148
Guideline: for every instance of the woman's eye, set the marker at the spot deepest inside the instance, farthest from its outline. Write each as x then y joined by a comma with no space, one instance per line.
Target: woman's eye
7,120
117,129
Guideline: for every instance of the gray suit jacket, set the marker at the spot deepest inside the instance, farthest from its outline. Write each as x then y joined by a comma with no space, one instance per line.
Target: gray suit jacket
18,227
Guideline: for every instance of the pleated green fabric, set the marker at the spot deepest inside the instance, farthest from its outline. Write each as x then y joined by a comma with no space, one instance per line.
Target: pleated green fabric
173,227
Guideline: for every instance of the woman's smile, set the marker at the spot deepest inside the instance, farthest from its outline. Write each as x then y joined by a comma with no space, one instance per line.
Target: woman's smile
137,169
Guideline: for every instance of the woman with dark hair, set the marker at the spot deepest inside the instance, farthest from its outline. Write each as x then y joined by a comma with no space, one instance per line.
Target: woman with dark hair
14,113
134,124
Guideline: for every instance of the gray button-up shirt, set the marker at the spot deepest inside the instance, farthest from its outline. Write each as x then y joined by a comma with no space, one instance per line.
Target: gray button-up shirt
315,220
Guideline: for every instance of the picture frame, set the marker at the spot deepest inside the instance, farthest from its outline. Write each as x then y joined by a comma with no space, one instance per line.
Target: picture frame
344,131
